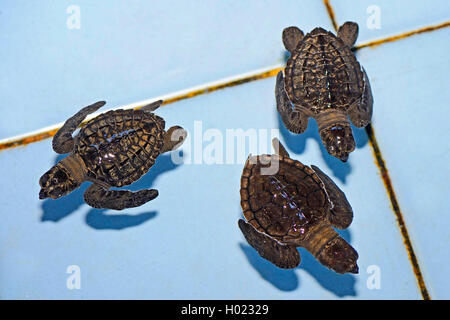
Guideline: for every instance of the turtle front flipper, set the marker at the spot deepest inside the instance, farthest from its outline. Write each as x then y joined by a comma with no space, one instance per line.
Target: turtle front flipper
294,120
174,138
63,140
283,256
341,215
101,198
361,111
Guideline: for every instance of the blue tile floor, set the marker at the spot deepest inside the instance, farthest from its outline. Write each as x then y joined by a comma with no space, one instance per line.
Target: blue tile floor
145,50
381,18
411,125
185,244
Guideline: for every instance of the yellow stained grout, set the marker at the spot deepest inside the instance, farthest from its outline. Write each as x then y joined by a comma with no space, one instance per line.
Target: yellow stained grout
393,38
330,12
236,82
398,214
379,160
42,134
50,131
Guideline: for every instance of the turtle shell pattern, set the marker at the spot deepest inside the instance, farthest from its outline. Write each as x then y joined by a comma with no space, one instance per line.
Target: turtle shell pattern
120,146
286,204
323,73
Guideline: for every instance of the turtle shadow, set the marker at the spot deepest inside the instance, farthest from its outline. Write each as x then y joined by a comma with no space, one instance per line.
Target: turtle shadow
100,220
55,210
284,280
285,55
296,143
340,285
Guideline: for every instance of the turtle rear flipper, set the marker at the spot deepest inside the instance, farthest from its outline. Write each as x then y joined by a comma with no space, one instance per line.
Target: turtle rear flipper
63,140
361,111
348,32
341,215
98,197
292,37
283,256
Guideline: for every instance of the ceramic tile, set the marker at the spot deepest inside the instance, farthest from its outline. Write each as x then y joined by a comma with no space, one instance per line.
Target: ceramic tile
186,244
411,124
381,18
128,52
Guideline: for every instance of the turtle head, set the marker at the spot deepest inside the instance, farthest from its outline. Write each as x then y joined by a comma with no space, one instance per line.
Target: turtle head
56,182
339,256
338,139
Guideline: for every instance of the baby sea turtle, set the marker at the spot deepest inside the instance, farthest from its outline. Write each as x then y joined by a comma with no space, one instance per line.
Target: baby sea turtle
295,207
114,149
324,80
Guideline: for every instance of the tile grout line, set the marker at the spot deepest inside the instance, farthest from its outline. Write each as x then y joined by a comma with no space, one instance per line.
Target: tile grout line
377,42
49,131
331,15
232,81
396,208
380,160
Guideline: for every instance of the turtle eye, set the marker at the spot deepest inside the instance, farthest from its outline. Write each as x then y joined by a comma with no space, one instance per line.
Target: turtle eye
59,177
55,181
44,179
